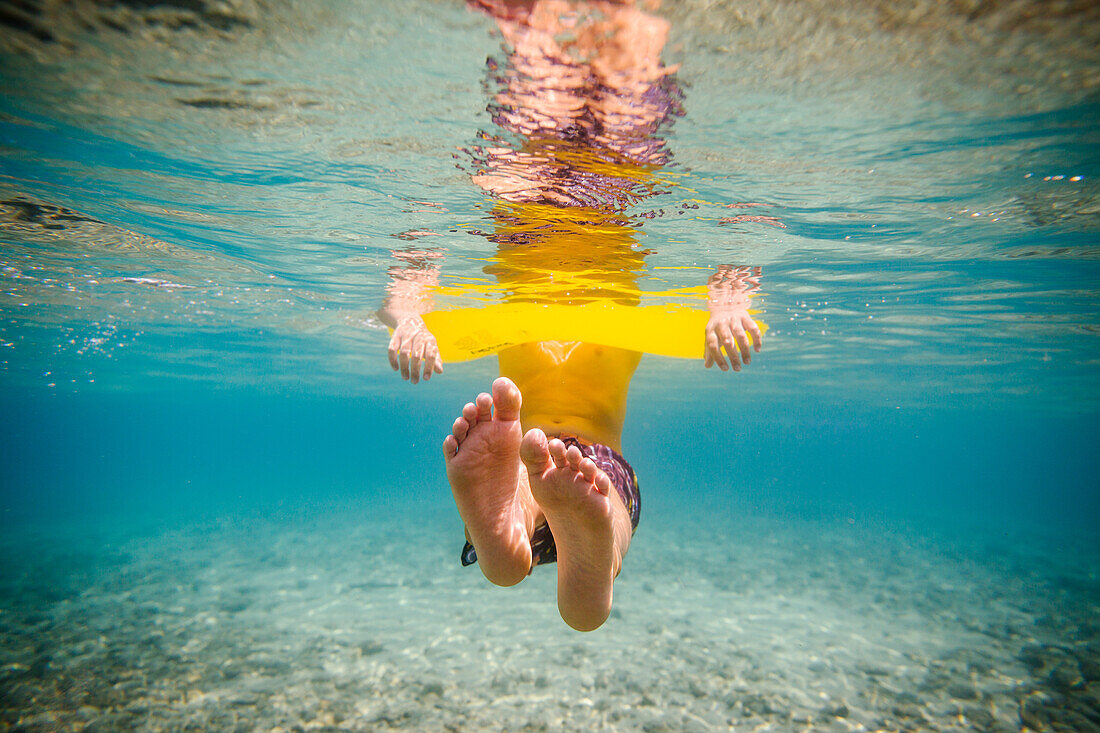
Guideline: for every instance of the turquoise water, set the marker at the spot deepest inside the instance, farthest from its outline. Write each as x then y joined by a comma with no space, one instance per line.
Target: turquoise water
221,508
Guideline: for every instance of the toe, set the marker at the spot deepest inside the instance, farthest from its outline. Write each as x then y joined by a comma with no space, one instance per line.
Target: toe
450,447
469,413
484,407
534,451
557,452
603,483
588,469
459,430
506,399
573,457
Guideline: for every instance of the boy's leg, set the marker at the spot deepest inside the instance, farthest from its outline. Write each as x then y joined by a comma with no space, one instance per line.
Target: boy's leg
490,484
590,523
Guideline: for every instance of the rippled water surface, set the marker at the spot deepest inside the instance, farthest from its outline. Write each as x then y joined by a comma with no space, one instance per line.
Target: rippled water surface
188,200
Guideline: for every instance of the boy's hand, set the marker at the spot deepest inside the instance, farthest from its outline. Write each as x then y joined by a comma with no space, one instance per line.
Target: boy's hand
730,325
730,329
413,347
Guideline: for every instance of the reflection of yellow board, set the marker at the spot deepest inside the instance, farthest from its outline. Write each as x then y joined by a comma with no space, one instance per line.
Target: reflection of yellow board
665,330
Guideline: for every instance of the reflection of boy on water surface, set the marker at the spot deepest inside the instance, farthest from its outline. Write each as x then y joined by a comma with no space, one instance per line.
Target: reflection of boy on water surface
585,94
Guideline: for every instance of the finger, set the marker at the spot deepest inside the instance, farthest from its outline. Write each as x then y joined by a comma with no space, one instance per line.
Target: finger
730,345
484,407
731,351
733,356
714,351
420,346
573,456
432,363
720,360
392,352
557,451
754,330
404,365
743,344
414,368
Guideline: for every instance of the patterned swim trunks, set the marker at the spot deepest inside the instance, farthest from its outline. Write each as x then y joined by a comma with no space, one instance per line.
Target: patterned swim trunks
622,478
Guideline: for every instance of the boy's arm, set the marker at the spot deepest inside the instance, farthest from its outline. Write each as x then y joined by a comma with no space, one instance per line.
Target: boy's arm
730,324
408,296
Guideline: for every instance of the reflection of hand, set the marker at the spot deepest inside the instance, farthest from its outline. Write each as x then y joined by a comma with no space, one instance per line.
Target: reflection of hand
730,325
420,258
413,346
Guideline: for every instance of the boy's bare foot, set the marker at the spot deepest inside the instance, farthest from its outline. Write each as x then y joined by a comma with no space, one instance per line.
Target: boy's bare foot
490,484
590,524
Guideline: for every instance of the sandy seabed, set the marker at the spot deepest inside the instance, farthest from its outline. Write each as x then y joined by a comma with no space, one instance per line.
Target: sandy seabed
351,618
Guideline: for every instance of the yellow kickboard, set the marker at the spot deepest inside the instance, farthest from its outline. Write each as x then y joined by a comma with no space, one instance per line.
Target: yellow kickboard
664,330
